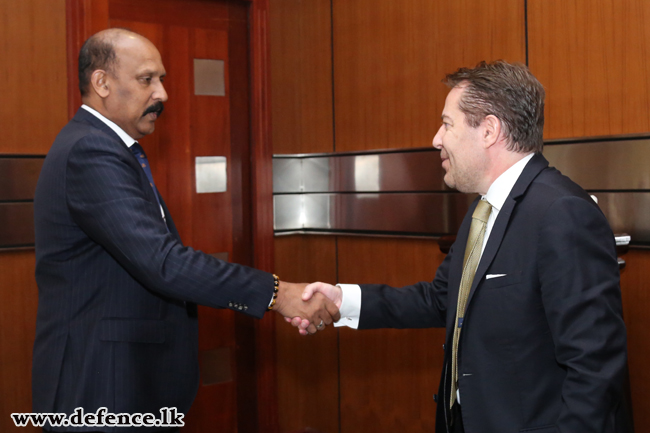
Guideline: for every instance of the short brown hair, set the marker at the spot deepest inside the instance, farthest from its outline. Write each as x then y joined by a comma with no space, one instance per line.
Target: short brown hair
508,91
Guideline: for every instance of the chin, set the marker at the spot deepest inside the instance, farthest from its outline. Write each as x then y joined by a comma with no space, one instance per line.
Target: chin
449,182
147,131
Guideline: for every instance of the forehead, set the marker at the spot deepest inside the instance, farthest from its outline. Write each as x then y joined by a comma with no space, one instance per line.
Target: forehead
135,54
452,109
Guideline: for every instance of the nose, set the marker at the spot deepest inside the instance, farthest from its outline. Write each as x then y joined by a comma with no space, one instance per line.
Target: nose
160,94
437,140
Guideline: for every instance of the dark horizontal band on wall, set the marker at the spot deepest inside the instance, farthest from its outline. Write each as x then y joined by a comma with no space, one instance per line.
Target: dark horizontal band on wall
16,225
19,177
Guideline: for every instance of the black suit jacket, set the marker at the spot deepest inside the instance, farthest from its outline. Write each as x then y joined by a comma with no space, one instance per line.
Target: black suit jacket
117,323
543,348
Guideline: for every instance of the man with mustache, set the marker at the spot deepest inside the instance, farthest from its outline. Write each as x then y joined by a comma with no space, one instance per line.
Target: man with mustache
117,317
529,292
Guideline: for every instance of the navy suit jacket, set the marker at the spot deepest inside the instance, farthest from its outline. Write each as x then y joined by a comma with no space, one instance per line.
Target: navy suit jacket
543,348
117,323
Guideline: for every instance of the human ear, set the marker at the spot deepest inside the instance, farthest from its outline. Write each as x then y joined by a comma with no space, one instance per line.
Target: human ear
491,130
99,82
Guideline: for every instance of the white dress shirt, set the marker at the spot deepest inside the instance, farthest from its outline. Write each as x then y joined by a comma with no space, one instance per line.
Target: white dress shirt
496,196
126,138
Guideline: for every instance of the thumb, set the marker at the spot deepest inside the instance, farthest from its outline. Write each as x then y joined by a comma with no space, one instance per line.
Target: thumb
309,291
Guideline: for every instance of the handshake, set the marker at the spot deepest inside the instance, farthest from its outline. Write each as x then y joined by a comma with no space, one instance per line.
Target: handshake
309,307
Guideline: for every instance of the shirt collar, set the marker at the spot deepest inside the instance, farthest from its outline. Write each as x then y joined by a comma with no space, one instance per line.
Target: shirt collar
501,187
126,138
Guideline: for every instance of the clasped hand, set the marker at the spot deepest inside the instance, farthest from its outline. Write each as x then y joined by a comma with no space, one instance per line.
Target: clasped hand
311,310
327,295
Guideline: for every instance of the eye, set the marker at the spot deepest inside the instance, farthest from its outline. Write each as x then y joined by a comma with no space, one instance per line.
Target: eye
146,80
162,79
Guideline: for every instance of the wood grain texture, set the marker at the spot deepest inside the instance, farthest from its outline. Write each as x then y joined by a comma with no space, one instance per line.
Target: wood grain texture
389,59
593,59
301,76
240,140
34,74
193,13
17,329
635,287
83,19
262,205
307,367
210,136
388,377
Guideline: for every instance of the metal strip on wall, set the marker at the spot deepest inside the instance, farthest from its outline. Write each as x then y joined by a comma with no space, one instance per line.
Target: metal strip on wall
403,193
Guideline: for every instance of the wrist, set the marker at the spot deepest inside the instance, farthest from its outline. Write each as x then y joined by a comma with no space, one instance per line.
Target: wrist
281,298
276,290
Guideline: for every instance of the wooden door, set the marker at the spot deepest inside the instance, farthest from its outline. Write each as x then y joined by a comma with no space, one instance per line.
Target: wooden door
230,124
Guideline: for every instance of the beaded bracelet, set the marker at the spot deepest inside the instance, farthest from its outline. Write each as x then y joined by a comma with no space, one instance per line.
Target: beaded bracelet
276,284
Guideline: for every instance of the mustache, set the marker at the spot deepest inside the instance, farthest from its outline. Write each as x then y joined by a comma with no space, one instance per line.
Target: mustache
158,108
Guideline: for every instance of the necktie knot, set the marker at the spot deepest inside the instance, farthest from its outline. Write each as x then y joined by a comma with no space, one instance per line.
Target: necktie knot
137,150
482,211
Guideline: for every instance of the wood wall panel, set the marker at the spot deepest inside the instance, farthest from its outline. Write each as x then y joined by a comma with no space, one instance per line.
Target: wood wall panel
593,59
34,74
388,377
307,367
389,59
301,76
635,287
17,329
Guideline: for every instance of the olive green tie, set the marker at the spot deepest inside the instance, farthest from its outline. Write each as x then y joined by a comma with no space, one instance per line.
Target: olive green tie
470,263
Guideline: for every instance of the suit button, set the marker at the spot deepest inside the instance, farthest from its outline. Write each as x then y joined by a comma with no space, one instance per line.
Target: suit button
245,307
444,347
435,398
230,304
240,307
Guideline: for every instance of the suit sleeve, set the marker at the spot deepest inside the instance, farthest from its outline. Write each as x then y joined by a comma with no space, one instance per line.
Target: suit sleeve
579,279
106,199
422,305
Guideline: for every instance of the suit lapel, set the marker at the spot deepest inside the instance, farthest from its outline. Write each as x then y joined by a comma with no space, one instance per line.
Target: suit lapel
530,172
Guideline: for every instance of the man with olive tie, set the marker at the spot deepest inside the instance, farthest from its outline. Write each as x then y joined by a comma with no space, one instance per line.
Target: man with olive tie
529,292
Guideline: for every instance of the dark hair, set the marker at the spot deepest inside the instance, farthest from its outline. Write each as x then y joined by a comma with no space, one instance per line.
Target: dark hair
96,53
508,91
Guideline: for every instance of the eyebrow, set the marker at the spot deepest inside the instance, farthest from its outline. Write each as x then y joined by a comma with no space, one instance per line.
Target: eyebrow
444,116
151,72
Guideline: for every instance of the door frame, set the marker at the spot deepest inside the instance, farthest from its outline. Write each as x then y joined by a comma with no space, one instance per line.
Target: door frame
85,18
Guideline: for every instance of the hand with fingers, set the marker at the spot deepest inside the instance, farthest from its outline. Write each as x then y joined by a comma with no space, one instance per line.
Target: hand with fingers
317,310
312,291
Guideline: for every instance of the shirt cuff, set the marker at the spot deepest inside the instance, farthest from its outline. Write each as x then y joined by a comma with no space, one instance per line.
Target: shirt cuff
350,306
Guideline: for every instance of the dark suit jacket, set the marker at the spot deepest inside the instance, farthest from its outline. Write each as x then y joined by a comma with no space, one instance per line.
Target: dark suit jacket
543,348
117,322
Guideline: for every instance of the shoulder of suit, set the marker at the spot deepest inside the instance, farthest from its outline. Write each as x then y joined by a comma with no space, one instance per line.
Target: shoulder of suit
83,134
549,187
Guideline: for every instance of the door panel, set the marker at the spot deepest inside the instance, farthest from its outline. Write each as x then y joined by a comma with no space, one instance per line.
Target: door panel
199,125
